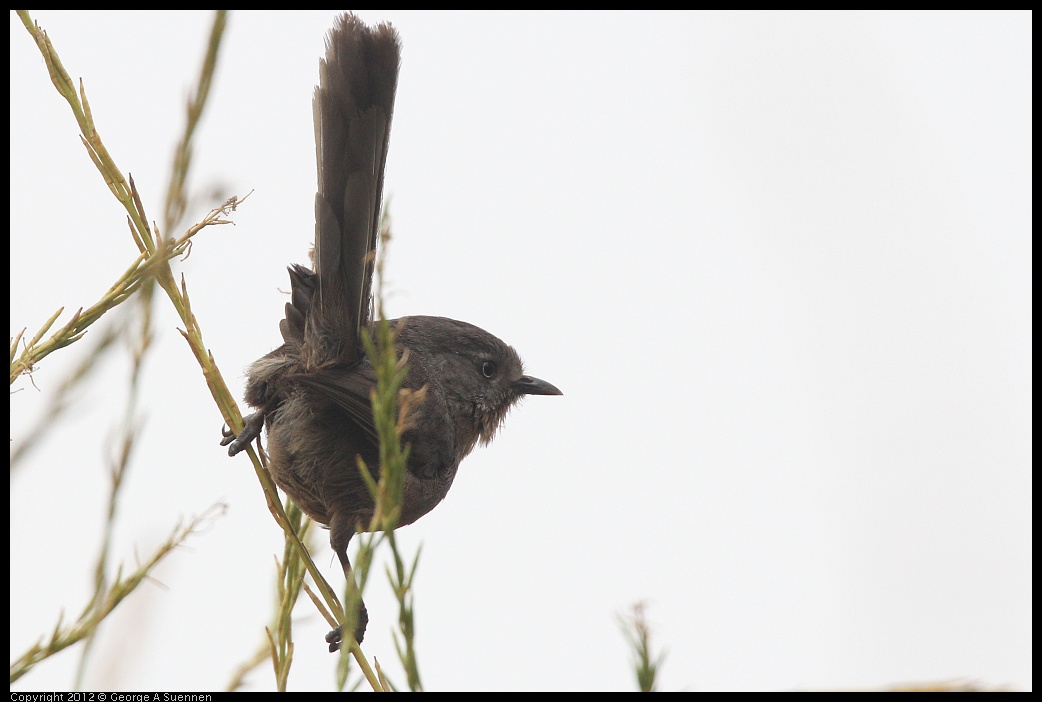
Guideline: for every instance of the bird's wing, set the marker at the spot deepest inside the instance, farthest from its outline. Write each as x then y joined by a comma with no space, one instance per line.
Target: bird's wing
349,389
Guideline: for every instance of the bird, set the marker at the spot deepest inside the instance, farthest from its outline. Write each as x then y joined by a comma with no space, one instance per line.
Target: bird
312,393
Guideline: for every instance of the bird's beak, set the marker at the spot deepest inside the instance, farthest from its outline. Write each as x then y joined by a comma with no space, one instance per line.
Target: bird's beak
527,385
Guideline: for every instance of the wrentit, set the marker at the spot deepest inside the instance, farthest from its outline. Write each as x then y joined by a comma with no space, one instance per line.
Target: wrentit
312,393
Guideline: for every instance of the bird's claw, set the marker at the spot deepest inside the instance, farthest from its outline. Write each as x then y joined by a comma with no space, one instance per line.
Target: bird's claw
335,637
252,426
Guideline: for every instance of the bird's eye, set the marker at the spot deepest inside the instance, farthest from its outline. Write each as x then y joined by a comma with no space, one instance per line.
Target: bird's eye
488,369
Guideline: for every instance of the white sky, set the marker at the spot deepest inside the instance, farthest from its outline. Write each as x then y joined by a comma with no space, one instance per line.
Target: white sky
779,264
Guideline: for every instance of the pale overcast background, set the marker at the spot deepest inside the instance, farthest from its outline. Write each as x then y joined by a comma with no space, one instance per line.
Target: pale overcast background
779,264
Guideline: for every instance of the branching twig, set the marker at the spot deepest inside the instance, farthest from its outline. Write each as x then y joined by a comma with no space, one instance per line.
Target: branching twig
639,635
64,636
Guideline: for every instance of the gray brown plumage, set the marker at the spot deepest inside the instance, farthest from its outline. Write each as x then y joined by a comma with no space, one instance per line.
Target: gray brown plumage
312,393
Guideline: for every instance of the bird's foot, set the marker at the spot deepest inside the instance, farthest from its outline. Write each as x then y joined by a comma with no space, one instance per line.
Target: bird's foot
252,426
334,638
